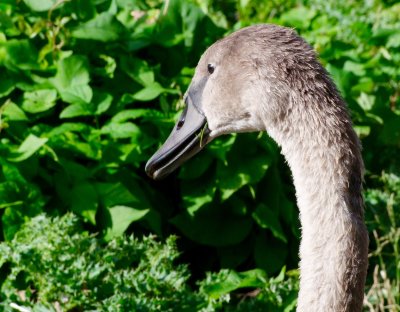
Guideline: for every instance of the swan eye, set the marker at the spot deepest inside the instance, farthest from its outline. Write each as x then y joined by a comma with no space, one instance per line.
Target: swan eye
210,68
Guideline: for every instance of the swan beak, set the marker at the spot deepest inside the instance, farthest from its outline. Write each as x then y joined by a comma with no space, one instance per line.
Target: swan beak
187,138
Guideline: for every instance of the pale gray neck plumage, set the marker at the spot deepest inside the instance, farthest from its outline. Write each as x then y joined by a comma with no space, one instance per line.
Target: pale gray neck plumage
323,153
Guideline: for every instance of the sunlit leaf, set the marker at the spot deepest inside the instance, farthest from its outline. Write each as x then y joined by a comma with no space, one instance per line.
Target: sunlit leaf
39,101
104,27
236,280
29,146
40,5
121,218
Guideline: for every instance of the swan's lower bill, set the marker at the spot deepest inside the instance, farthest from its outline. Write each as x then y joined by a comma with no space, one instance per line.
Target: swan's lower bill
187,138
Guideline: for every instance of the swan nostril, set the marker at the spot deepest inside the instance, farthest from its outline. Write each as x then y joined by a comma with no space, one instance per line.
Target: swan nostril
180,123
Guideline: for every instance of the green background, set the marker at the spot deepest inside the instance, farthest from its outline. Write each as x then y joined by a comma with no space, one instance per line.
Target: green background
89,89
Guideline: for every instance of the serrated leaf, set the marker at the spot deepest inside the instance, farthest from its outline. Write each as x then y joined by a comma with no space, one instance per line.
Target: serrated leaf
28,147
104,27
39,100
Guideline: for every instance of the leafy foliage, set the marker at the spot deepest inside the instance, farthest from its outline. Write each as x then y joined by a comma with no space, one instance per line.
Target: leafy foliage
89,89
125,274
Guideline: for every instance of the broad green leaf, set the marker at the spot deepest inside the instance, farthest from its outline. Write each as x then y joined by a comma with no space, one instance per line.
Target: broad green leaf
138,70
40,5
102,101
366,101
268,219
113,194
84,201
136,113
13,112
355,68
39,101
121,130
121,218
270,254
71,71
7,85
213,227
104,27
19,55
237,172
28,147
149,93
394,41
194,168
76,110
196,194
235,280
300,17
77,94
117,194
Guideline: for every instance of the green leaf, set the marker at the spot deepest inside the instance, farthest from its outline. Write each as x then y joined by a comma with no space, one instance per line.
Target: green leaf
30,146
236,172
102,101
39,101
84,201
235,280
117,194
269,219
13,112
366,101
194,168
270,254
135,114
71,71
104,27
7,85
355,68
149,93
40,5
213,228
77,94
19,55
196,194
121,130
121,218
299,17
76,110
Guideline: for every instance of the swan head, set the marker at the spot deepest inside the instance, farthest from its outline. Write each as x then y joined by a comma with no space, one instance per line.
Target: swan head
241,84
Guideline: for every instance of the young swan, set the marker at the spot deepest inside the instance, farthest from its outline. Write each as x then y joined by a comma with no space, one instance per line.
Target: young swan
266,77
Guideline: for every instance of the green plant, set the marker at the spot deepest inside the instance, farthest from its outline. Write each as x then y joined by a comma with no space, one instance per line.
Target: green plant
53,265
89,89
